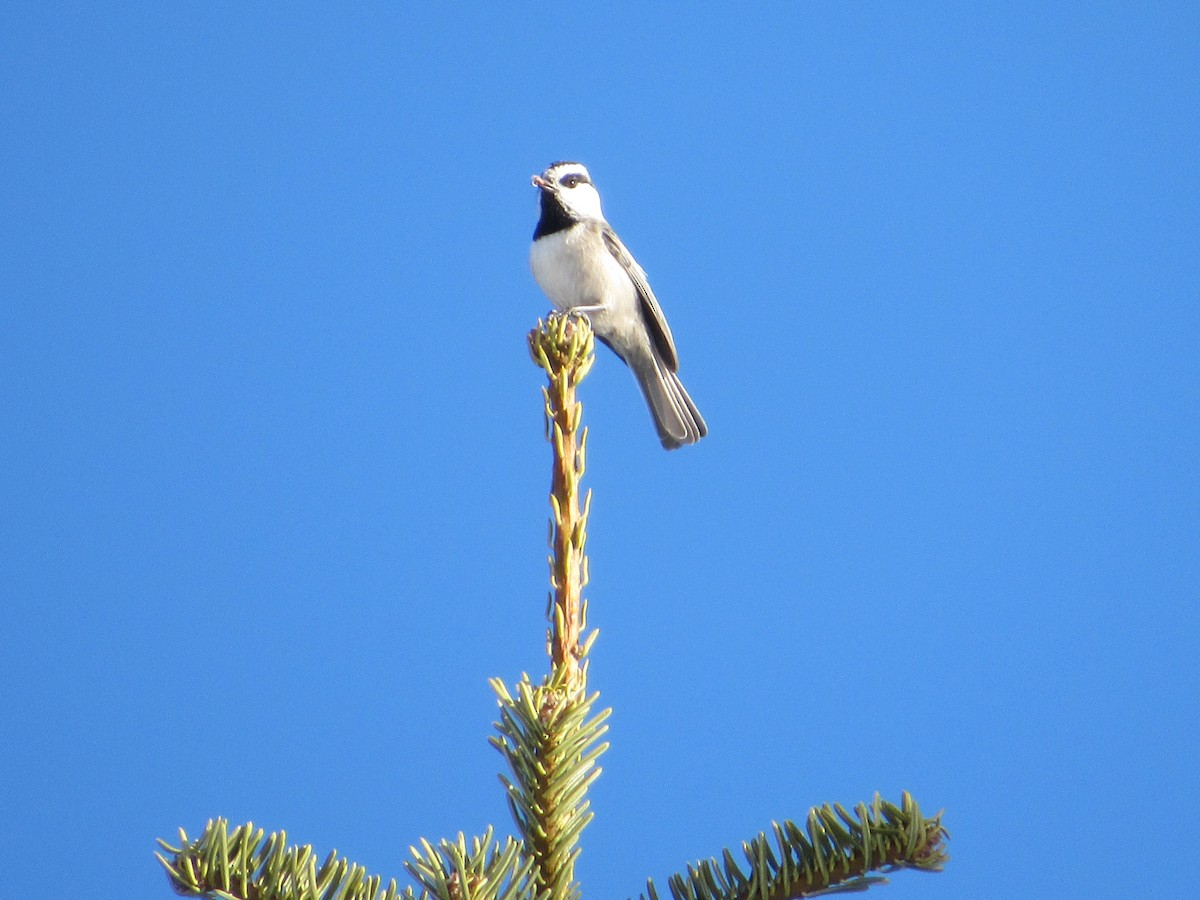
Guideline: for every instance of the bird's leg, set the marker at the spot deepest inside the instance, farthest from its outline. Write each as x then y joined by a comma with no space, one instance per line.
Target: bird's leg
585,310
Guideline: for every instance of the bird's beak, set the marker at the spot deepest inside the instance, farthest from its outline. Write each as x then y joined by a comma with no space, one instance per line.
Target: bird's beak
539,181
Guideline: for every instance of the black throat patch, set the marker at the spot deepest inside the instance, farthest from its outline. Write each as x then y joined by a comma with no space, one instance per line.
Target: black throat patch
554,215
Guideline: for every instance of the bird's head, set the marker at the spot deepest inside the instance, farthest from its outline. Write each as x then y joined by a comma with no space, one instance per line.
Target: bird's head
571,185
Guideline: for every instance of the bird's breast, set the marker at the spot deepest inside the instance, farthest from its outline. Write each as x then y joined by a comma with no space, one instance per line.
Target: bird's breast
574,268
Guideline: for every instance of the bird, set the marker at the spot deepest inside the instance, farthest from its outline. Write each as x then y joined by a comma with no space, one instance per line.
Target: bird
583,267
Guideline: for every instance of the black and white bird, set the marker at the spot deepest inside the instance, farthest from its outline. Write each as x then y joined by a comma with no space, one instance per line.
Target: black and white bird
581,264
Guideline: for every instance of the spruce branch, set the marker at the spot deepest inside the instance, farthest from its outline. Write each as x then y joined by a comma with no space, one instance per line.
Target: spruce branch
241,865
486,871
835,852
548,735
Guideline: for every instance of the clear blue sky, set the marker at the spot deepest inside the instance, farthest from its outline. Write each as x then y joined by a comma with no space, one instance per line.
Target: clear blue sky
272,476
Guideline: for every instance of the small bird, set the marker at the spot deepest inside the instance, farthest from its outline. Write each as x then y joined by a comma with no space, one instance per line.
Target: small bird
581,265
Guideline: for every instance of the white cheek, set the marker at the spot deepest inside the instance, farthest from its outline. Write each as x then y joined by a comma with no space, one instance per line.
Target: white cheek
586,201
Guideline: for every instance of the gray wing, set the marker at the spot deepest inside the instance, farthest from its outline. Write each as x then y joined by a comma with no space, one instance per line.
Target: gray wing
656,322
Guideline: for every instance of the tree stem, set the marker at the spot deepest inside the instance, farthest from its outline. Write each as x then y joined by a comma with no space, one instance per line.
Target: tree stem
563,347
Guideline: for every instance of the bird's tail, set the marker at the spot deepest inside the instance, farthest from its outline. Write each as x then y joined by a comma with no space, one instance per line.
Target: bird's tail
675,415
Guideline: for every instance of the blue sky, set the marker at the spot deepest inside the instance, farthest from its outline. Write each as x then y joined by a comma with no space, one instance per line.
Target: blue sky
272,483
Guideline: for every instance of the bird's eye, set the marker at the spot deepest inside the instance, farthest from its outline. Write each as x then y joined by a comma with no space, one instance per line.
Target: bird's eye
571,180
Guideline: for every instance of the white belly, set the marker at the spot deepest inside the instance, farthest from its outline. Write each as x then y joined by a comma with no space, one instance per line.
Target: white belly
575,269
